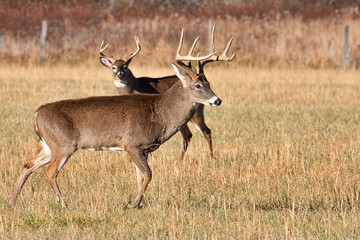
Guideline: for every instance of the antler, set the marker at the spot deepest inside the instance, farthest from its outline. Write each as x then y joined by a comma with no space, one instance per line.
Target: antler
221,57
189,56
137,41
102,49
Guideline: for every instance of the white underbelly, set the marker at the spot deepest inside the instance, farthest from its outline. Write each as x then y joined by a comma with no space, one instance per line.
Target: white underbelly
106,148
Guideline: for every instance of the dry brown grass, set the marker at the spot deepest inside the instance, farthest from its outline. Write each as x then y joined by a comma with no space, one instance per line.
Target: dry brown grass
287,161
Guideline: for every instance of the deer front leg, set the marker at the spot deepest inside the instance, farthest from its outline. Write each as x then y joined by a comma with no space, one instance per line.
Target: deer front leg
187,135
199,122
207,135
139,157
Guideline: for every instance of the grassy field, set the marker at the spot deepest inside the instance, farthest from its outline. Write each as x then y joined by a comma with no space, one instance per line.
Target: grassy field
286,165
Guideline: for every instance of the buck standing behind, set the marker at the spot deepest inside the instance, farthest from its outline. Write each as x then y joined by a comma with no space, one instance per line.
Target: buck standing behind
137,124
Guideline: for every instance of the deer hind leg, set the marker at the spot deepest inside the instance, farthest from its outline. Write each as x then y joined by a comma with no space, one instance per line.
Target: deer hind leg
144,174
42,158
52,170
187,135
199,122
139,177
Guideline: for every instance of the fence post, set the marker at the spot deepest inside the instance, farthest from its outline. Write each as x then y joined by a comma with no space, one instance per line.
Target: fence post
211,25
346,53
42,40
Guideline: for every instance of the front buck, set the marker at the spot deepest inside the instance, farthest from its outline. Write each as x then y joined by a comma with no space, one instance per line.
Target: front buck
137,124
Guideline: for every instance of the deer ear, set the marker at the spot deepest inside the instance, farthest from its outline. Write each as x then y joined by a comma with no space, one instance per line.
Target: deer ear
181,73
106,62
128,61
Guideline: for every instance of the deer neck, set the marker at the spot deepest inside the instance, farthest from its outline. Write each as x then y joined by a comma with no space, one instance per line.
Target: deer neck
175,109
126,85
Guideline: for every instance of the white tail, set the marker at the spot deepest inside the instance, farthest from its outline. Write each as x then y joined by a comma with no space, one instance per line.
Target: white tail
127,83
137,124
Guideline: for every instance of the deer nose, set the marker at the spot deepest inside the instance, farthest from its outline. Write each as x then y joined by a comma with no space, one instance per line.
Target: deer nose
121,74
217,102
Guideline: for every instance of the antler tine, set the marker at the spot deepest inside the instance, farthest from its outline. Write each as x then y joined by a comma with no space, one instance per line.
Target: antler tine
137,41
212,44
189,57
193,46
102,49
223,56
180,44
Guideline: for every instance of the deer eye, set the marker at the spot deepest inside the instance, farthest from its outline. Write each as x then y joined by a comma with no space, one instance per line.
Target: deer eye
125,67
198,86
114,68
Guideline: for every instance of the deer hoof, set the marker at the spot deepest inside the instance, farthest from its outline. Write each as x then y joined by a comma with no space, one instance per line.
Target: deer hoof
134,205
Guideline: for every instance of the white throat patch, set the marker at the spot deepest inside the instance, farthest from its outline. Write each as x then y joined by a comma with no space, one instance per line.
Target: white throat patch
119,84
195,105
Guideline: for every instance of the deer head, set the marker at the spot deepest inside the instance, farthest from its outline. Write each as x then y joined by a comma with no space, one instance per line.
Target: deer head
190,78
119,67
200,91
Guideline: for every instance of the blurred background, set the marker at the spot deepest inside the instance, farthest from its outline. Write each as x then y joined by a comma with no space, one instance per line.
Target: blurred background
268,33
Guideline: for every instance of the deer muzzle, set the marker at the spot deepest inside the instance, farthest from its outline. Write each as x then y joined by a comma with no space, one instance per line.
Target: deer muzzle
215,101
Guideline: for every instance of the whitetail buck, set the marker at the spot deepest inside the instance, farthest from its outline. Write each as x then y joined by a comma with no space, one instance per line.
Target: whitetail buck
127,83
137,124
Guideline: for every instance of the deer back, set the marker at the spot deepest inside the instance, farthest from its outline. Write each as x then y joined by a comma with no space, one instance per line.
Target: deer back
99,121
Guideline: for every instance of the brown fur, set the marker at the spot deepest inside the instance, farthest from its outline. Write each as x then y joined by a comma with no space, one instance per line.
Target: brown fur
137,123
133,85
